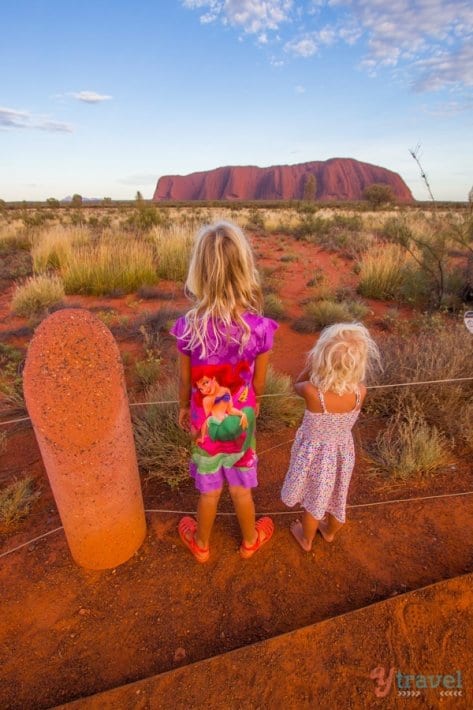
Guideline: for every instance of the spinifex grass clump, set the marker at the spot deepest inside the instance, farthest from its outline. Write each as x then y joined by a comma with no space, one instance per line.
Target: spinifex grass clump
173,248
163,449
37,294
273,306
439,352
108,267
16,500
281,407
52,248
409,447
319,314
381,271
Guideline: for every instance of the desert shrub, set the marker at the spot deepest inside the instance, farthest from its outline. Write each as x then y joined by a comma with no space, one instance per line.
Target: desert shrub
378,194
381,272
37,294
109,267
16,500
173,249
318,314
409,446
147,370
144,218
283,409
273,306
163,449
255,220
437,350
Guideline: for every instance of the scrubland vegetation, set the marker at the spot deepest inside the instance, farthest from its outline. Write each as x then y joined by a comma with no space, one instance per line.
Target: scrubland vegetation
415,258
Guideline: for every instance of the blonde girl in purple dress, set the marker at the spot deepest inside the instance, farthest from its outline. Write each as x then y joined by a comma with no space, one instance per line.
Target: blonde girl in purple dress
323,455
224,343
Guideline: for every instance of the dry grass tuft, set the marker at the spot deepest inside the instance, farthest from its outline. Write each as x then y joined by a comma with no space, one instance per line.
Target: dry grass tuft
37,294
163,449
16,500
409,447
173,247
284,410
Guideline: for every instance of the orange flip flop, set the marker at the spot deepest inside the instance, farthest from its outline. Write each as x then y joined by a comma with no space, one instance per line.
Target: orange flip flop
187,528
264,528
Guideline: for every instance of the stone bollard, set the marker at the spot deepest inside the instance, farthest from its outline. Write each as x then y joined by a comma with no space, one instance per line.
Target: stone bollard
76,397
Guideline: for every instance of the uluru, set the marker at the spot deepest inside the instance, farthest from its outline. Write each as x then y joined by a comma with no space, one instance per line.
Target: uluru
334,179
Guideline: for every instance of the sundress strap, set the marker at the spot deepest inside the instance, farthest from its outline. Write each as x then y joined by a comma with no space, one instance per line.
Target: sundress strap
358,398
322,400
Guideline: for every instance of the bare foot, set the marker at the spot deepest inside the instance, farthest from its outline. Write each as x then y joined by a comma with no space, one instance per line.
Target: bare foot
296,529
323,530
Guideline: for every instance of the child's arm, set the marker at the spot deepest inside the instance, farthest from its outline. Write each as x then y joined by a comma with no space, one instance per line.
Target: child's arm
259,377
184,391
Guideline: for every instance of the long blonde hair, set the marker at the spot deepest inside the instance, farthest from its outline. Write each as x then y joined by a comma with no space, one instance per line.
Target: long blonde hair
340,358
223,283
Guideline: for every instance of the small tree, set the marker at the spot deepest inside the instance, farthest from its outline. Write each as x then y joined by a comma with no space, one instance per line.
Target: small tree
139,197
107,201
52,202
310,188
76,200
378,194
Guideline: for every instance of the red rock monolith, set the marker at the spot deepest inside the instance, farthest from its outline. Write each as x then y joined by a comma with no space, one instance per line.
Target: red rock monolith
76,397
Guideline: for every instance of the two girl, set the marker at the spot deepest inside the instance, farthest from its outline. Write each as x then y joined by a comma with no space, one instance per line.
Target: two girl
224,344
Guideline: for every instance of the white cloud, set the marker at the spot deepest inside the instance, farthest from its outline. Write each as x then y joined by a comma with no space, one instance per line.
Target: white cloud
427,41
304,47
299,89
90,97
11,118
253,16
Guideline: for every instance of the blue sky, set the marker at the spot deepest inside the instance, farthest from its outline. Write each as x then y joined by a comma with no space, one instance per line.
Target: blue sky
103,97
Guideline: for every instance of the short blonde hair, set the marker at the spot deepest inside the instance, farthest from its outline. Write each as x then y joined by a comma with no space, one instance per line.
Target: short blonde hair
340,358
222,281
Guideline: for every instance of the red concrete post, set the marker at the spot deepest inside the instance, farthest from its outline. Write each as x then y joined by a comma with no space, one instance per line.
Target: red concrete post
76,397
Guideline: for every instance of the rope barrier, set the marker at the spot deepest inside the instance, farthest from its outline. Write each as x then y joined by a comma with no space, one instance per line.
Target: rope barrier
290,396
273,513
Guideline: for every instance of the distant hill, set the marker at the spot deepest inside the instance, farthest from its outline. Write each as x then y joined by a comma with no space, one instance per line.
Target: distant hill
335,179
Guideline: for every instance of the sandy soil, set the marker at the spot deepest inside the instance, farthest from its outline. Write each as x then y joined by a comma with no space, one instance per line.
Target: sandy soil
67,633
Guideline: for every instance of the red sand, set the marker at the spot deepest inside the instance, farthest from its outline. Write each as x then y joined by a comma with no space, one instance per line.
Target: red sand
67,633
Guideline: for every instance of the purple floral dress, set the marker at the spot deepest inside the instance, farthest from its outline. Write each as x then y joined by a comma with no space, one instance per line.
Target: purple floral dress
223,402
322,460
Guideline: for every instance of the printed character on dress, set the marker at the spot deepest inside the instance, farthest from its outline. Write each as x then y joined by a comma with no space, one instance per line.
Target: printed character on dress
323,455
224,344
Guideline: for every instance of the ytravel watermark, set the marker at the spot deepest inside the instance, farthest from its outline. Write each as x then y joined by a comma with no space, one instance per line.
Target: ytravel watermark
411,685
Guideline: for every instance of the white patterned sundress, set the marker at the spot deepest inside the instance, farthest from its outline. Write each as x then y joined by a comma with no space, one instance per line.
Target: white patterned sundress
322,460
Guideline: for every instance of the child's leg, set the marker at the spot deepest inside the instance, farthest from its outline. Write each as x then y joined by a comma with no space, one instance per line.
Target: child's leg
206,512
305,532
245,511
328,528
